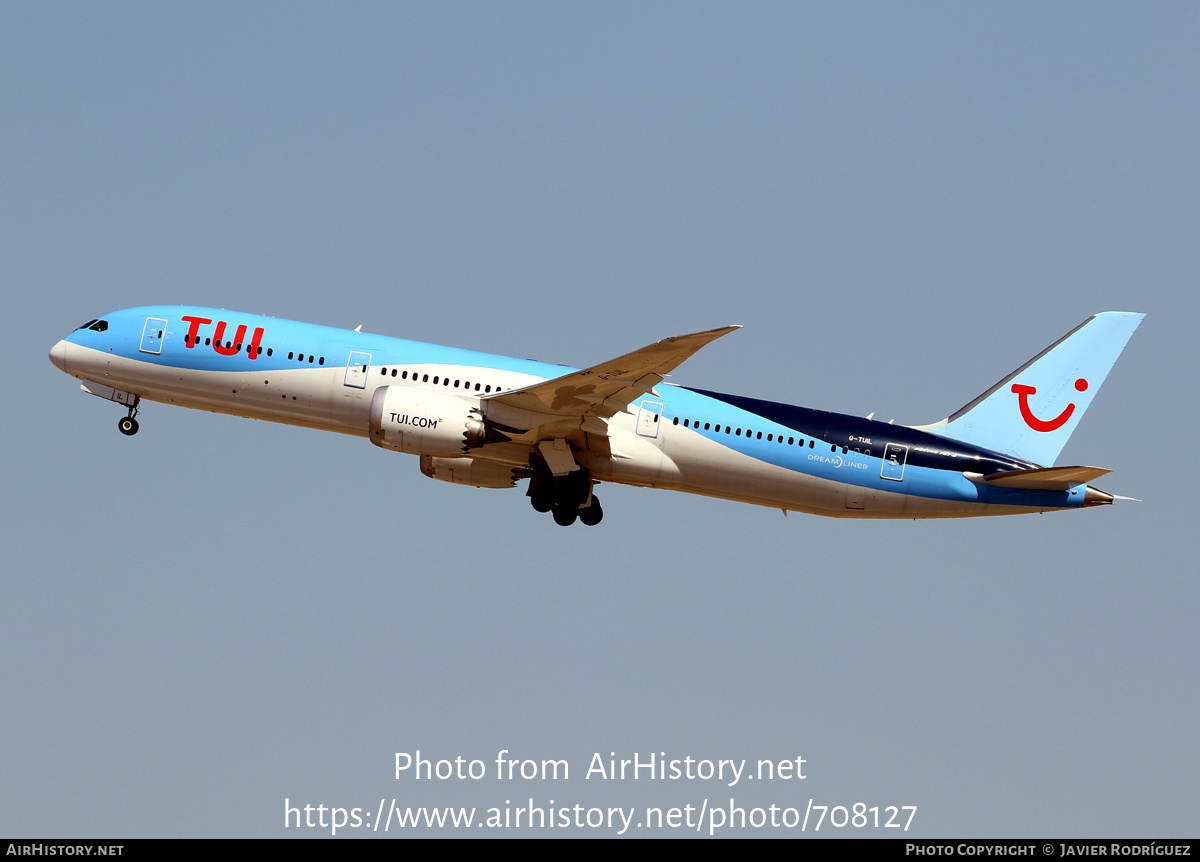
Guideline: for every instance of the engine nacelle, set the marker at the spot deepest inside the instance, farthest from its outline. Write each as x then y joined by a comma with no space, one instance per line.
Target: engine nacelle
476,472
423,421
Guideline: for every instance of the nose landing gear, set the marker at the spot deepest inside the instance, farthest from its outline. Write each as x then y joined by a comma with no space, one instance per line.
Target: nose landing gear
129,424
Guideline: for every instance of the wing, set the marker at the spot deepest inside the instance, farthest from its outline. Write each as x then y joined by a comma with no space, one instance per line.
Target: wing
583,399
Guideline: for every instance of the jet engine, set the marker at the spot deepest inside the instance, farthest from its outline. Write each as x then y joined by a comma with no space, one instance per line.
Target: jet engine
424,421
471,471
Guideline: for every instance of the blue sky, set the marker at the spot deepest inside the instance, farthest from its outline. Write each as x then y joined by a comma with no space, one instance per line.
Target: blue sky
900,205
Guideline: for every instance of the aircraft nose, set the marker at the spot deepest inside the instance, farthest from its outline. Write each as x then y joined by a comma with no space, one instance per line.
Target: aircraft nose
58,355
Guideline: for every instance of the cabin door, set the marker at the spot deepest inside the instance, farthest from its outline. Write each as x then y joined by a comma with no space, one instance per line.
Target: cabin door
357,367
648,417
895,457
152,335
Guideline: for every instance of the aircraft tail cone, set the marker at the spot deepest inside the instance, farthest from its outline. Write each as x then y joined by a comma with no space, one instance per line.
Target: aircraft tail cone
1096,497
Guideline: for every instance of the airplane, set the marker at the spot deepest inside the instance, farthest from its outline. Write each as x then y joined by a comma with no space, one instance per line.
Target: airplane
490,421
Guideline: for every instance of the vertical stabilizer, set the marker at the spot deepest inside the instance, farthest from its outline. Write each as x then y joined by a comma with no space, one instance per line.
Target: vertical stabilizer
1031,413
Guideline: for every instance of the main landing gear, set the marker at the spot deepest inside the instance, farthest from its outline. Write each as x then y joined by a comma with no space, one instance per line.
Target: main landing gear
589,515
129,424
568,498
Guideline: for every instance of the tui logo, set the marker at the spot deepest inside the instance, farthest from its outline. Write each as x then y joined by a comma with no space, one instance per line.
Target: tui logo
1023,392
226,348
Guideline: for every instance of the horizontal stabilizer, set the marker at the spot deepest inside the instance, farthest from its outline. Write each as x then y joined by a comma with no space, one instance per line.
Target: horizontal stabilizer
1041,478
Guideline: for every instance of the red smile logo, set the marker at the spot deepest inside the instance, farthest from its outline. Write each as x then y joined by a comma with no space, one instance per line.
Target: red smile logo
1023,393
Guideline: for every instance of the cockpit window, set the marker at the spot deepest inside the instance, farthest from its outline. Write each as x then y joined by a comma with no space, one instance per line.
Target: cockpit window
89,323
99,326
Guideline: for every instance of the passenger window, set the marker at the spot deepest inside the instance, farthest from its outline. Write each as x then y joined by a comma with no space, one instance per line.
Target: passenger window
812,443
790,439
289,352
675,421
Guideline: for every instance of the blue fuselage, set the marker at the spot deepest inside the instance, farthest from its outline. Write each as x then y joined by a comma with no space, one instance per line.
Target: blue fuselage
672,437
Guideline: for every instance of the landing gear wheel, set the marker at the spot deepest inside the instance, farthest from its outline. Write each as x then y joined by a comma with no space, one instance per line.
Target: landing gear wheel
542,502
592,515
565,516
128,426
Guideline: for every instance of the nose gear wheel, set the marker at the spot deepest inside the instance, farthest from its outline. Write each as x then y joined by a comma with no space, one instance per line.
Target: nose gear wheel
128,425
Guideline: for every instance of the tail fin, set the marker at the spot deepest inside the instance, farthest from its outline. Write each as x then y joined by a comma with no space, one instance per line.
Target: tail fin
1032,412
